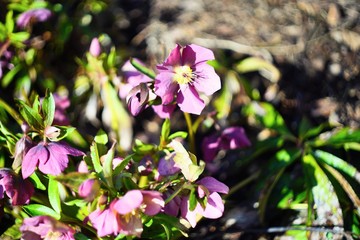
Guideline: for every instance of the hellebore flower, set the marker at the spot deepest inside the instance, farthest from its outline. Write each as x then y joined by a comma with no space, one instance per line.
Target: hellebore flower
89,189
61,104
17,189
164,111
95,47
45,227
123,215
51,158
230,138
138,98
33,15
21,148
132,78
167,165
185,74
210,188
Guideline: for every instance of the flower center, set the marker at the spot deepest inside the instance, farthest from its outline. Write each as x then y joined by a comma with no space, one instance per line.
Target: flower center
183,74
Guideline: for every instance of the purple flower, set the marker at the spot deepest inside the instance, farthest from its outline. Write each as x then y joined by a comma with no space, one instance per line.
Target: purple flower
185,74
138,98
95,47
61,104
17,189
210,188
132,78
51,158
230,138
33,15
45,227
21,148
167,166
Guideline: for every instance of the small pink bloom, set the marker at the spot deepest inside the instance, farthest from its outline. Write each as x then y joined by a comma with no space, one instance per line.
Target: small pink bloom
185,74
45,227
95,47
33,15
89,189
17,189
51,158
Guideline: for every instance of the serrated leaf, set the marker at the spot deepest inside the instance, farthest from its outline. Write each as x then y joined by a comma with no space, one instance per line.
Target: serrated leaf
48,108
54,195
41,210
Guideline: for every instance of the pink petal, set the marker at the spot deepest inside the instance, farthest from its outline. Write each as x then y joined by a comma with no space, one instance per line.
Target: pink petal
174,58
131,226
189,100
213,185
190,216
193,54
164,111
165,87
207,80
130,201
105,222
55,165
153,202
214,207
32,158
63,148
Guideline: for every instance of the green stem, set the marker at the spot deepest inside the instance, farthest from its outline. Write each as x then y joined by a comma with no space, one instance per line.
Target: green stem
243,183
191,133
174,194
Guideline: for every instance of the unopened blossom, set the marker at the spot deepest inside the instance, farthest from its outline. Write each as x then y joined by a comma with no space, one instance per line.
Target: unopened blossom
50,158
210,188
184,75
137,99
61,104
22,146
95,47
33,15
45,227
16,188
89,189
230,138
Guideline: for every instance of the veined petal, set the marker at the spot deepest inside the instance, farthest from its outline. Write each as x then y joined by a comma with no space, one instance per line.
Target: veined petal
63,148
31,159
194,54
174,57
55,165
189,100
165,87
130,201
207,80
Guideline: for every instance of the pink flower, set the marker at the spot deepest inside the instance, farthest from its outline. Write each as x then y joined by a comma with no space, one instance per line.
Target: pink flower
21,148
123,215
17,189
137,99
89,189
230,138
33,15
61,104
95,47
45,227
164,111
210,188
185,74
51,158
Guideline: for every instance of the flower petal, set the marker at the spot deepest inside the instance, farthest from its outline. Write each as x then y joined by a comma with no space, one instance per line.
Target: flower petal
214,207
174,57
189,100
207,80
210,147
55,165
31,159
153,201
165,87
130,201
63,148
194,54
213,185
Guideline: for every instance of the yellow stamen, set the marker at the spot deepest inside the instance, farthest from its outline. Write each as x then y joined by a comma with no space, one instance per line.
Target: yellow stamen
183,74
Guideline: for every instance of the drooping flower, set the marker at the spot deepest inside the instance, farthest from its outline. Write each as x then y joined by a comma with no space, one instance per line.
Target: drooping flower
124,214
33,15
51,158
184,75
210,188
17,189
230,138
45,227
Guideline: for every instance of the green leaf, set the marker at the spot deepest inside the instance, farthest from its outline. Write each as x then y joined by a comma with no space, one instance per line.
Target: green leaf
64,132
178,134
80,236
148,72
18,38
338,137
265,68
119,168
95,158
222,103
37,182
192,200
9,76
108,165
54,195
165,129
73,180
12,232
31,116
40,210
3,32
48,109
101,137
111,59
9,22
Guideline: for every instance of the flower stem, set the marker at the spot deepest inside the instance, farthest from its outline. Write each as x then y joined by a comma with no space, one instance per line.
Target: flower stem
174,194
243,183
191,132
